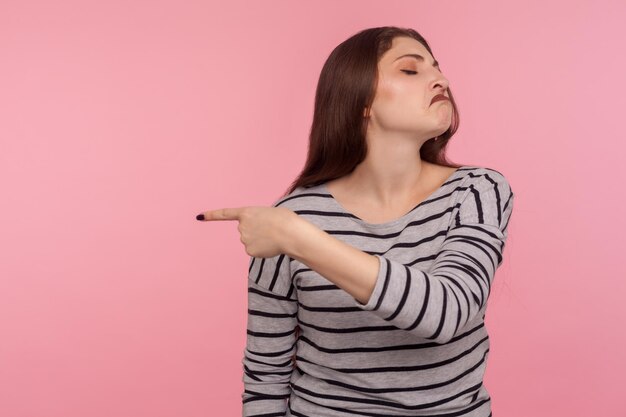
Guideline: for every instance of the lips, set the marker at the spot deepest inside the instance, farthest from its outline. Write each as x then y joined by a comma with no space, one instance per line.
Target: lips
439,97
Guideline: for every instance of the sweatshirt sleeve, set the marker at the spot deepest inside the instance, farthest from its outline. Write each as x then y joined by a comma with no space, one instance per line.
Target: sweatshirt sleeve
436,303
271,337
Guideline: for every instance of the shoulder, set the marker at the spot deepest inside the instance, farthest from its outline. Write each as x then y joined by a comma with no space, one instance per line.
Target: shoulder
482,178
487,198
309,198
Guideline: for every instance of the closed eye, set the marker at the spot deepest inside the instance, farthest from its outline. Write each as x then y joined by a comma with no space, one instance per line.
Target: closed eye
409,72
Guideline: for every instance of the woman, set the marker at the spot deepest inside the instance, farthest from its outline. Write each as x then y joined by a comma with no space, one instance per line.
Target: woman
369,280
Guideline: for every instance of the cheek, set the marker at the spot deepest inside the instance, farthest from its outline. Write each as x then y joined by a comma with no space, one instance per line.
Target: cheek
386,90
396,94
400,91
396,101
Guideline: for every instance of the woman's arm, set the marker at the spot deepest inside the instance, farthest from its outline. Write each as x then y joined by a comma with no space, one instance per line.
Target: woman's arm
346,266
433,303
271,337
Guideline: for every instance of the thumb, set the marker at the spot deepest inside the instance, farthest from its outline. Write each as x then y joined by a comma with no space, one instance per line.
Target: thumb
219,214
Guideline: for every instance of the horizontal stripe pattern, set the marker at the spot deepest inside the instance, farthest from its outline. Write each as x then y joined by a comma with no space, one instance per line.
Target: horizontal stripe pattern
418,347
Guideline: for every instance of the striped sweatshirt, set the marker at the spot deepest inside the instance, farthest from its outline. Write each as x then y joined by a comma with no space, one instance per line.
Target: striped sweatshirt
419,347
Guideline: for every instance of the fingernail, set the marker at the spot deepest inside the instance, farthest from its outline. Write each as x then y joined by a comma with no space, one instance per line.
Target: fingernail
200,217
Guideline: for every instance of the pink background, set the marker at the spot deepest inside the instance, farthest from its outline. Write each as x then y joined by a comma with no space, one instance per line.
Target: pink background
121,120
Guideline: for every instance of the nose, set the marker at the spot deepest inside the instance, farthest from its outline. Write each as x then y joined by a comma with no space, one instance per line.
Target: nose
440,82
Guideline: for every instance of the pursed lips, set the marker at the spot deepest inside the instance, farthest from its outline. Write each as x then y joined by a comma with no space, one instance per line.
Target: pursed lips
439,97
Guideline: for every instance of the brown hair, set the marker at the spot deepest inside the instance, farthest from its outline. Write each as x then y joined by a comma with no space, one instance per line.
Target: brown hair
346,86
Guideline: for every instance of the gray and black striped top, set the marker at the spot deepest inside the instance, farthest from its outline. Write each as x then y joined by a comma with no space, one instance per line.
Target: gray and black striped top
419,347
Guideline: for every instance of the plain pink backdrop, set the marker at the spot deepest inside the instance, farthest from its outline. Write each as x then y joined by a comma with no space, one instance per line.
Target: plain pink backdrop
121,120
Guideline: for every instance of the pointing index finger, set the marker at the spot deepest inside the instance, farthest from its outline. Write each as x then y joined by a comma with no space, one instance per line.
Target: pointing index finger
219,214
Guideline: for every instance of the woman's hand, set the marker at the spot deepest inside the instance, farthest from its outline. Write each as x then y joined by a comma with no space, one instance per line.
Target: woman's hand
264,230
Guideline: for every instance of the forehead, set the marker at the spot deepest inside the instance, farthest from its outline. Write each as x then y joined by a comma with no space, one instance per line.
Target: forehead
404,45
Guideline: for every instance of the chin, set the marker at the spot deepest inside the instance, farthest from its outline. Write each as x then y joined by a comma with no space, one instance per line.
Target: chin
444,126
442,129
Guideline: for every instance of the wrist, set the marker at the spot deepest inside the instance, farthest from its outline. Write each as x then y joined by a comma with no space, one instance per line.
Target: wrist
293,230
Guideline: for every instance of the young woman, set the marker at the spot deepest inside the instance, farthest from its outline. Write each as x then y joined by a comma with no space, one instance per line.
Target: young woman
368,281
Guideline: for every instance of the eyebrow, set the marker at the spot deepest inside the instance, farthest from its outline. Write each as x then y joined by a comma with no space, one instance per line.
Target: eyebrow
418,57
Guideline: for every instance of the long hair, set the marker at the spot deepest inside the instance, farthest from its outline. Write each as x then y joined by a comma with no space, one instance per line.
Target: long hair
346,86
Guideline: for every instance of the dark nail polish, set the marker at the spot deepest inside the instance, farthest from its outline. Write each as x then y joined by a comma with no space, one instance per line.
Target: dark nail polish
200,217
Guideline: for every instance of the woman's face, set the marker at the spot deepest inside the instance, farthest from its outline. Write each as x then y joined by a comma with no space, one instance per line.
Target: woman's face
406,86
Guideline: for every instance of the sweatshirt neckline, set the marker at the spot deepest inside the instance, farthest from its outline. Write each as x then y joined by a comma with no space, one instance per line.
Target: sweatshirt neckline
400,219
